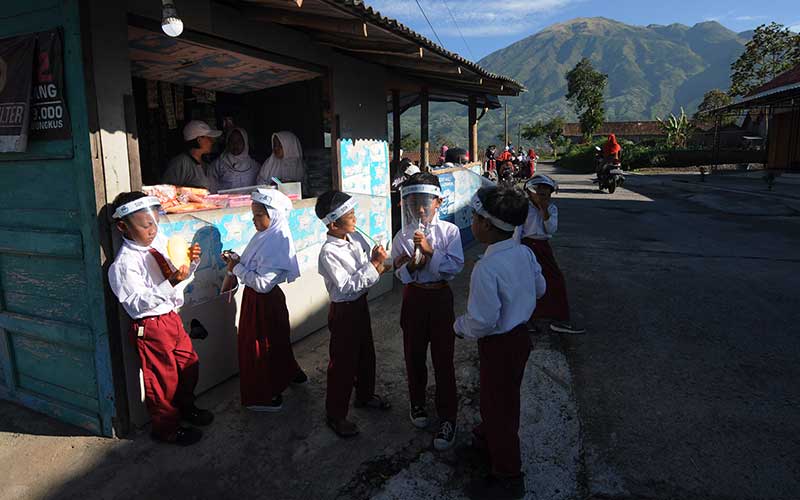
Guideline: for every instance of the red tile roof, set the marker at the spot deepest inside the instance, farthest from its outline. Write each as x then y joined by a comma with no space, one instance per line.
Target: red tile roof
621,129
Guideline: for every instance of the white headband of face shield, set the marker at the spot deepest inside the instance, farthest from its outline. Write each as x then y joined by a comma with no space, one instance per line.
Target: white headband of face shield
477,205
272,198
341,210
541,179
136,205
421,188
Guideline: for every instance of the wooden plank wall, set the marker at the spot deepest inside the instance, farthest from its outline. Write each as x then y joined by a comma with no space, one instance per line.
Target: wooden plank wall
53,331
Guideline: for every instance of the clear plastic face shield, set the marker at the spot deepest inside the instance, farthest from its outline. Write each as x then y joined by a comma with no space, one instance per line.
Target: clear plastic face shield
418,205
139,219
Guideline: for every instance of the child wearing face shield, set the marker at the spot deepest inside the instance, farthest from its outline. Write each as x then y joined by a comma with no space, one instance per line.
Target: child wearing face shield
540,226
266,361
145,282
427,254
349,268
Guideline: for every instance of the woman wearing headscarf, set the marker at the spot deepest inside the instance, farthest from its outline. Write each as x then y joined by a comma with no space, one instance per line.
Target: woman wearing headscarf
235,168
611,148
286,161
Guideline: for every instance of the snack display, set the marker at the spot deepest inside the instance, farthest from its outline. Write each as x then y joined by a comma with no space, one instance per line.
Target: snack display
180,200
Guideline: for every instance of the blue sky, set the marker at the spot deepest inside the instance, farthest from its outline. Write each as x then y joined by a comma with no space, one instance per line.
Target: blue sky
488,25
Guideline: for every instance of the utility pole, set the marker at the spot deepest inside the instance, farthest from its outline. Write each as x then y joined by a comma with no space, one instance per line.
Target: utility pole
505,126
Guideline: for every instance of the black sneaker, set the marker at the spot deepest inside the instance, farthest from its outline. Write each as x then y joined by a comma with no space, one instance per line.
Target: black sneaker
198,416
419,417
300,378
274,406
445,437
493,487
561,327
184,436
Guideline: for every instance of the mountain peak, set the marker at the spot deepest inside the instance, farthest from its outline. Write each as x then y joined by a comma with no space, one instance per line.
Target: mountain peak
652,70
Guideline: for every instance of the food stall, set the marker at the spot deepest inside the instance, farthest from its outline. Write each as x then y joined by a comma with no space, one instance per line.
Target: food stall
93,97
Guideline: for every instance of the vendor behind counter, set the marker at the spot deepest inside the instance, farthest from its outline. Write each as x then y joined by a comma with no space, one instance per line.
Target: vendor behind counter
188,168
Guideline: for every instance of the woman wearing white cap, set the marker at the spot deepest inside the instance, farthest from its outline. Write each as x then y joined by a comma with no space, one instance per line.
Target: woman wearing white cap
188,168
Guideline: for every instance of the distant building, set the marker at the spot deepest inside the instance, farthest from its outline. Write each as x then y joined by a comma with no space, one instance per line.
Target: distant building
778,101
632,131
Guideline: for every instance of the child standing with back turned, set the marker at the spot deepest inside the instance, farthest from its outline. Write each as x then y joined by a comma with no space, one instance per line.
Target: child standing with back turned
498,309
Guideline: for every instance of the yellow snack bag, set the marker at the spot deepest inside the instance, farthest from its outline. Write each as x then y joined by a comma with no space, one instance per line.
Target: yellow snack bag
178,251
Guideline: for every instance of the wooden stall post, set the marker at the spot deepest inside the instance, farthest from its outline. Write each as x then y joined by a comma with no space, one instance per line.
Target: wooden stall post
396,134
424,144
473,129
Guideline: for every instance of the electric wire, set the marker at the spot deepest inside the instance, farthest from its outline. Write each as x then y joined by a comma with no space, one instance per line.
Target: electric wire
459,30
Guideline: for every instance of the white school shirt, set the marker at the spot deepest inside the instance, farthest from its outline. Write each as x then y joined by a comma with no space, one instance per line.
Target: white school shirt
447,259
536,227
138,283
346,268
503,290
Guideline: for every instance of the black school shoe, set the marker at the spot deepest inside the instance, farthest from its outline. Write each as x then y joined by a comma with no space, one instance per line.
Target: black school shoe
445,437
184,436
496,488
198,416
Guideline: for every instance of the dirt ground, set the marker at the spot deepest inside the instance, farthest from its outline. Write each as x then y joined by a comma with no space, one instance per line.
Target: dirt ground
292,454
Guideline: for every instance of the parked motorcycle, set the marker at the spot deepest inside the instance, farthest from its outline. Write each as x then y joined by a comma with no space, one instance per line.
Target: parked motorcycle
609,173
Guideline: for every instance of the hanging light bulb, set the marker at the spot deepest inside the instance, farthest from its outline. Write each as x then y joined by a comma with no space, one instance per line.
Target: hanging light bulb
171,24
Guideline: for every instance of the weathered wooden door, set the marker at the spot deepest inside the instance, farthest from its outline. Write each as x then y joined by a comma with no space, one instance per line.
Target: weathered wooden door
54,350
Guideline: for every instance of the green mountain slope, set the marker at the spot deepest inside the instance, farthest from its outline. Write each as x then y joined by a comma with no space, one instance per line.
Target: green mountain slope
653,70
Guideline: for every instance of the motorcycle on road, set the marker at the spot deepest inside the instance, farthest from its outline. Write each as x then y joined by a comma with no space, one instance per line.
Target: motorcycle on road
609,173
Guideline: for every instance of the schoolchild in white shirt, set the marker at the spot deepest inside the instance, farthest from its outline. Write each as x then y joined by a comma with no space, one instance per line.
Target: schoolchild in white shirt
144,280
540,226
427,254
349,269
266,360
499,306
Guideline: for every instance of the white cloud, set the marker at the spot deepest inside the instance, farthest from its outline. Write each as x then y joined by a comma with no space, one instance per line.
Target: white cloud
749,18
795,27
475,18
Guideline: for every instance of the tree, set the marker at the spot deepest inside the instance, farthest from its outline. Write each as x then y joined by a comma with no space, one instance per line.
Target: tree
408,143
772,50
713,99
552,131
677,129
585,89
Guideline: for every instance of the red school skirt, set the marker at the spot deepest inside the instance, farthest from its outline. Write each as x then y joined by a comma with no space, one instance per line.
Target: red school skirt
554,304
266,360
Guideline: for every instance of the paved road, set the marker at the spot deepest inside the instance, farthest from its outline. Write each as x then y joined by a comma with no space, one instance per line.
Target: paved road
687,384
